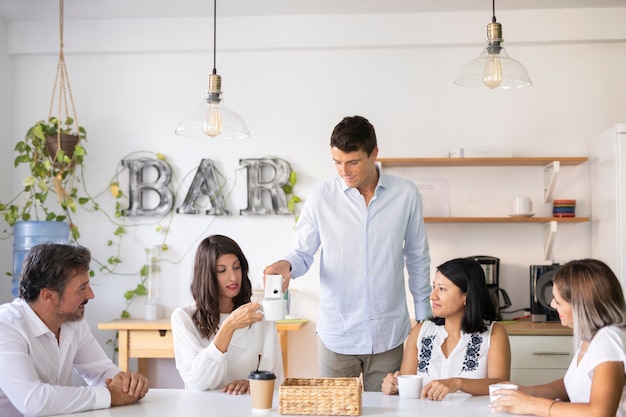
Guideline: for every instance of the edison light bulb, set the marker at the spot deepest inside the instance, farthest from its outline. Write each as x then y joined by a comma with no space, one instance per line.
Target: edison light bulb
213,121
492,75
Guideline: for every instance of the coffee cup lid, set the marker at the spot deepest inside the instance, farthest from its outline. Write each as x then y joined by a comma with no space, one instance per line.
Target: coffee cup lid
262,375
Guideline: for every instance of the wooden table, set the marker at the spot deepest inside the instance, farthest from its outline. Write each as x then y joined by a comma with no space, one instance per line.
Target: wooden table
145,339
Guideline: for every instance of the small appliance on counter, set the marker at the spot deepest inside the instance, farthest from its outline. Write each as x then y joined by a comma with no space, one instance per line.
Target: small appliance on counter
491,267
541,277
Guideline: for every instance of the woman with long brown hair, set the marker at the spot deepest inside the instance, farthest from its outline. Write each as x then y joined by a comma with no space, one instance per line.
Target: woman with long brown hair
221,337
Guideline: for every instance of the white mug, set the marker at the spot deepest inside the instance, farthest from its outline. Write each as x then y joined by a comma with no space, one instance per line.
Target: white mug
409,386
274,310
495,387
523,205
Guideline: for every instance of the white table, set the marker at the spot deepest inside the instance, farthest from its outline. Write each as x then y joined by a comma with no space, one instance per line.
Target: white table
185,403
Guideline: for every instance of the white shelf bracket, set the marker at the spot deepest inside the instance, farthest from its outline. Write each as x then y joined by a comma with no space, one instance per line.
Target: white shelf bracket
550,173
549,234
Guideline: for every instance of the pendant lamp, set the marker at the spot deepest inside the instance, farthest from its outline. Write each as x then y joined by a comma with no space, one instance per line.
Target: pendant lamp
213,120
493,68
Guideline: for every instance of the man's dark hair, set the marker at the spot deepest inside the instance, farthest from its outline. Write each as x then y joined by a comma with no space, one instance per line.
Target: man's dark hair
51,265
353,134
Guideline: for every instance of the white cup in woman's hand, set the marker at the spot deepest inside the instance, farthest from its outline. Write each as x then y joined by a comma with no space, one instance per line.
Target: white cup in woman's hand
409,386
495,387
274,310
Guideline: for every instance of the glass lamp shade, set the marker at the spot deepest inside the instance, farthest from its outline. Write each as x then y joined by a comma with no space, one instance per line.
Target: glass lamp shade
493,70
212,120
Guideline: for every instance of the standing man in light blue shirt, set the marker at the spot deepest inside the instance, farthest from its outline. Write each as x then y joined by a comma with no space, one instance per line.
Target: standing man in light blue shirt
369,226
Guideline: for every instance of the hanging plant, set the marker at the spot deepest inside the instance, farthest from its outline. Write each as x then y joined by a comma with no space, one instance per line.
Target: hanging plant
52,149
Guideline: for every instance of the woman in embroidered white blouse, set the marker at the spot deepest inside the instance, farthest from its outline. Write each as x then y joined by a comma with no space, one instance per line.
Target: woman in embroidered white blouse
221,337
589,298
461,348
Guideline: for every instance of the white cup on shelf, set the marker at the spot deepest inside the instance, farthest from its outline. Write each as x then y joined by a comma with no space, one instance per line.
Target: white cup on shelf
522,205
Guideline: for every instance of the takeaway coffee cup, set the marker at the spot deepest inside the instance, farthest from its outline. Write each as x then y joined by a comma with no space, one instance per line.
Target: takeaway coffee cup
522,205
409,386
262,389
274,310
495,387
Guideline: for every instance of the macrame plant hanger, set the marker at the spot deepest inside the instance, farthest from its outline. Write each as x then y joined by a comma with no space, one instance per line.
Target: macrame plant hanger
60,98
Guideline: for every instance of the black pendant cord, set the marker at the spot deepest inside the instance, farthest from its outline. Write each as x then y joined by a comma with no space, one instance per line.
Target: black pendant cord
215,35
493,11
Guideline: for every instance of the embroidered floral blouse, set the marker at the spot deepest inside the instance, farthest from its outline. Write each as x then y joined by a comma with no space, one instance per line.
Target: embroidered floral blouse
467,360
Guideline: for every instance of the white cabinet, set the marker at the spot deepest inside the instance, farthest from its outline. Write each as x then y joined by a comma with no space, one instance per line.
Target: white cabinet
540,359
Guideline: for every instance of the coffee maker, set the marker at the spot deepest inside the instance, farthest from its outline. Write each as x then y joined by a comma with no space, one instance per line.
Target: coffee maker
491,267
541,277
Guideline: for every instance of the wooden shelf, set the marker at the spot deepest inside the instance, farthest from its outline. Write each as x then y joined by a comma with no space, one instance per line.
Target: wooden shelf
505,219
467,162
551,167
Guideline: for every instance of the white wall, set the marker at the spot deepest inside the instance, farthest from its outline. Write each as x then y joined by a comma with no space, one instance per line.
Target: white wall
6,156
292,79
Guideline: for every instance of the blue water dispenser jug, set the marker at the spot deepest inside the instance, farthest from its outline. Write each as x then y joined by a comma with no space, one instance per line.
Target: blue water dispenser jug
27,234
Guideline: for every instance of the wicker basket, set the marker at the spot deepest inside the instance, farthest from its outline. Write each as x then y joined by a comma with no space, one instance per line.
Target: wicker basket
321,396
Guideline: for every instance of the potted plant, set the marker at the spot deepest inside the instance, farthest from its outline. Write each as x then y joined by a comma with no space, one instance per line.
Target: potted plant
52,150
61,140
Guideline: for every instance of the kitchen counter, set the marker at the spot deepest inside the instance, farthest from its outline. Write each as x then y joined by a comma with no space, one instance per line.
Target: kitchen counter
528,328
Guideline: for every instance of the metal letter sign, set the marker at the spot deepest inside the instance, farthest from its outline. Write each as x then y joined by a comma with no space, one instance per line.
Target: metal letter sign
266,175
204,185
141,191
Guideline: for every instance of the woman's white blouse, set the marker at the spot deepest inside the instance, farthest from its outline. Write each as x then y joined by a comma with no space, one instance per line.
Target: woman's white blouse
202,366
468,359
608,345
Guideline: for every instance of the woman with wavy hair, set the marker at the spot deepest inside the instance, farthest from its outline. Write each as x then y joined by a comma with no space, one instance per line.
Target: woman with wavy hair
589,299
222,336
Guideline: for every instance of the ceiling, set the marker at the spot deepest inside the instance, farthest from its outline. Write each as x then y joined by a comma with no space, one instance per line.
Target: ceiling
38,10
